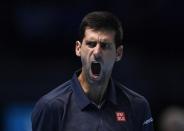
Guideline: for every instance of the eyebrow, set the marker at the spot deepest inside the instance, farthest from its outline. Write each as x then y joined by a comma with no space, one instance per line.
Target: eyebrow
103,41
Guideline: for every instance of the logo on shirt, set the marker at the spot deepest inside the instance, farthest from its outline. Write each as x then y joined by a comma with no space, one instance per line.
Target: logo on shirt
120,116
148,121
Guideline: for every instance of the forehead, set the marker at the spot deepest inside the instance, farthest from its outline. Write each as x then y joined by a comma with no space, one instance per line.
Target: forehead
102,35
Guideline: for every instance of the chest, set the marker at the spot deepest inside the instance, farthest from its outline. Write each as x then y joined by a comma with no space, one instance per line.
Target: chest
107,118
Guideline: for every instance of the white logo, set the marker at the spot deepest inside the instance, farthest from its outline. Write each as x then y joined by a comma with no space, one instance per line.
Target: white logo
148,121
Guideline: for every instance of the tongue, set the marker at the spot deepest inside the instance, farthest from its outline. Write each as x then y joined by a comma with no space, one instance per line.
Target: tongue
95,67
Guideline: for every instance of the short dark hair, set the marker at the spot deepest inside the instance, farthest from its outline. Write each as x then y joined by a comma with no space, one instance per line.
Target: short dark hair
102,20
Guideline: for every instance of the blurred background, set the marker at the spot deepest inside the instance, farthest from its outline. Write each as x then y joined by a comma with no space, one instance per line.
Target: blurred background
37,40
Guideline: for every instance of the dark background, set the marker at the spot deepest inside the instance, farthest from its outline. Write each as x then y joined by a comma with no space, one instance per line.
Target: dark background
38,37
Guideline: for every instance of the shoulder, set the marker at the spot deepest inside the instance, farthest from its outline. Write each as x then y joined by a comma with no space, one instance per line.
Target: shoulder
59,93
130,94
139,103
133,96
53,101
50,108
140,107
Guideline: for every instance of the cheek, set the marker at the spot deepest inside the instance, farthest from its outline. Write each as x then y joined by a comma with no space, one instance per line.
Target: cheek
110,57
85,56
110,60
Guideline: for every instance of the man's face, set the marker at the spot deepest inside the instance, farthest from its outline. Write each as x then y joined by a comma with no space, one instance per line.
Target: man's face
98,54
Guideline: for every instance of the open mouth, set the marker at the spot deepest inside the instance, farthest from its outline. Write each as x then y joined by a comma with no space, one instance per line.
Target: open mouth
96,68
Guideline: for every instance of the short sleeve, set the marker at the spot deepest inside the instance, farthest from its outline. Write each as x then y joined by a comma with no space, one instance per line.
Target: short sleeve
143,120
45,117
147,120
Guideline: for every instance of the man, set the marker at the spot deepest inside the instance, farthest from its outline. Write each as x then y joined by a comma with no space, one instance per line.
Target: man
92,100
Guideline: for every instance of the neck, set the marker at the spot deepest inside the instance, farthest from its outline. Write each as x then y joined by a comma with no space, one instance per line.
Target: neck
94,92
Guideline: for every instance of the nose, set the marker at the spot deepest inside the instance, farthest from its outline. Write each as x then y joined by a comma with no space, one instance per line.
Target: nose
97,51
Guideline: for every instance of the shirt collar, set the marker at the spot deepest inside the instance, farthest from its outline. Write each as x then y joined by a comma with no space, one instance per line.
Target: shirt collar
80,97
83,101
111,94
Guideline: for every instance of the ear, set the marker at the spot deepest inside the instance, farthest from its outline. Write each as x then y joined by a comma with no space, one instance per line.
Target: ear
78,48
119,53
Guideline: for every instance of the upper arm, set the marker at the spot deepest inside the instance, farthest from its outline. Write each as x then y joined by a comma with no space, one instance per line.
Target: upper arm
143,120
147,118
46,116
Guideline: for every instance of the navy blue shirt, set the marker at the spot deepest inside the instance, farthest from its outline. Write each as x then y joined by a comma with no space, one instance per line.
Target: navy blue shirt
67,108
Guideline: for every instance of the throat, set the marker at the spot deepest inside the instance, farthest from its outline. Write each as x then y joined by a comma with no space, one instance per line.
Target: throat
96,94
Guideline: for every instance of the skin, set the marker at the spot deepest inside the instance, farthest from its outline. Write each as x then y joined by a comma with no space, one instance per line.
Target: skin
98,46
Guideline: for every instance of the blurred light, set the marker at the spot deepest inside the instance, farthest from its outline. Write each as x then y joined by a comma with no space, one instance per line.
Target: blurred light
17,117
